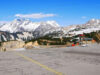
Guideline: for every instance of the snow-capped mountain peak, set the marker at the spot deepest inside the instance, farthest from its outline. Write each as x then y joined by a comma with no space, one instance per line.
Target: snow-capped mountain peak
21,25
93,22
53,23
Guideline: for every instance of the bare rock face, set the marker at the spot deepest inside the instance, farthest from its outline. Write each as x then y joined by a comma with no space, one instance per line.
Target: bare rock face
2,49
31,45
6,46
68,44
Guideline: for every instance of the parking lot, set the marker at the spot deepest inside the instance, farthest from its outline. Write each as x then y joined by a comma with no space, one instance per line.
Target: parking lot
51,61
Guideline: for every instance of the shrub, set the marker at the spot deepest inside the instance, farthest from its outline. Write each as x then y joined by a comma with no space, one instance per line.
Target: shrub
0,43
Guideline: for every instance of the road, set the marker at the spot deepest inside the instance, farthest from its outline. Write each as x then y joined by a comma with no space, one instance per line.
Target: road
51,61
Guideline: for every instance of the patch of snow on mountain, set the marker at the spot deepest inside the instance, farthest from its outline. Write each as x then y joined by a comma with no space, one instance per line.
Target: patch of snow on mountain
22,25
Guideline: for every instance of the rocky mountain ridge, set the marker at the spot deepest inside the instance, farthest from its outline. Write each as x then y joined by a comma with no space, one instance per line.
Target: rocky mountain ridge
23,29
25,25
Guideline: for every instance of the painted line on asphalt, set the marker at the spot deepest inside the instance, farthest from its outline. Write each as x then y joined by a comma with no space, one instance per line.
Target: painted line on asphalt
43,66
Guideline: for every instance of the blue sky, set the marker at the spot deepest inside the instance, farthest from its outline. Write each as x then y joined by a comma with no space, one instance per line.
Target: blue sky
65,12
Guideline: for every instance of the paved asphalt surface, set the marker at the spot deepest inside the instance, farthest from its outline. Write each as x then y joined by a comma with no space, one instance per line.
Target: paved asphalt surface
51,61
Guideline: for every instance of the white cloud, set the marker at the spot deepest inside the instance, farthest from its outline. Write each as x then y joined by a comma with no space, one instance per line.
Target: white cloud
35,15
4,21
83,17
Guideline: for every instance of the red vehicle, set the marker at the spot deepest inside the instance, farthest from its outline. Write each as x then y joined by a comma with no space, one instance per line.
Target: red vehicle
81,35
